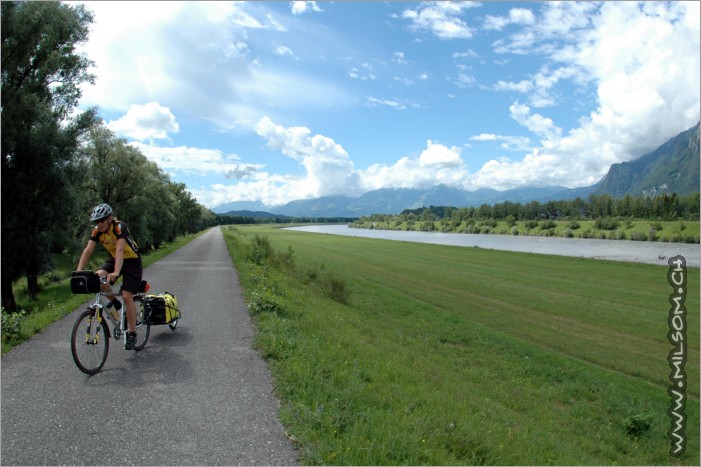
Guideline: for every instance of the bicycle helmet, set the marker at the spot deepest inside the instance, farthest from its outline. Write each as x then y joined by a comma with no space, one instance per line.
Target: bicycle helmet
101,211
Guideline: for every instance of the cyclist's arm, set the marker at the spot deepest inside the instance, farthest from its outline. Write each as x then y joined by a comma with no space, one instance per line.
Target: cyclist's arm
118,258
87,253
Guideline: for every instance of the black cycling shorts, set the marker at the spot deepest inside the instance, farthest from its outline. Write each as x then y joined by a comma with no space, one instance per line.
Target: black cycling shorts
131,272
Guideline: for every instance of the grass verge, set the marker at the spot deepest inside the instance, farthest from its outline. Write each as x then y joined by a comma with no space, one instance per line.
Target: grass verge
55,300
440,355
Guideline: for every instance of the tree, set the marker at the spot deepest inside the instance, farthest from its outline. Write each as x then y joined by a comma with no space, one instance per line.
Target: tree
41,78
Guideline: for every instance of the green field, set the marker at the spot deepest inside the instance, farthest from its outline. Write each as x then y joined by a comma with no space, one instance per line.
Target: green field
402,353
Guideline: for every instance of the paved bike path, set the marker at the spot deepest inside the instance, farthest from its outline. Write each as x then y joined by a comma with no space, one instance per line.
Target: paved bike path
199,395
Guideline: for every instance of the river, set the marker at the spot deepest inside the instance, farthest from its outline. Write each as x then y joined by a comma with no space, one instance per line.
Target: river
617,250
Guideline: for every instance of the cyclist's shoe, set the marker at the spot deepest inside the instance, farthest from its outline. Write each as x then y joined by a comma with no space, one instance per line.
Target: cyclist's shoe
116,304
131,341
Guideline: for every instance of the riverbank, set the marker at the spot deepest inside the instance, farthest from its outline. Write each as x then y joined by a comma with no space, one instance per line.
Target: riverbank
615,250
601,229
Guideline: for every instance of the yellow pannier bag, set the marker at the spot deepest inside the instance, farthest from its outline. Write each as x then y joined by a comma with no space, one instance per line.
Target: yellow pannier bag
161,308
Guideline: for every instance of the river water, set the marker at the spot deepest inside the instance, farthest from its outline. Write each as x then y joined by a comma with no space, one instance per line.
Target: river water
617,250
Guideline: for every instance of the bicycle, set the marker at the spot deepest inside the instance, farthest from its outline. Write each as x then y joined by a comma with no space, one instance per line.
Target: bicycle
90,335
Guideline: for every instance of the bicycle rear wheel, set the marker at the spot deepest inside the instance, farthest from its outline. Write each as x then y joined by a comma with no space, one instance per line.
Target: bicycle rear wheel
89,342
143,329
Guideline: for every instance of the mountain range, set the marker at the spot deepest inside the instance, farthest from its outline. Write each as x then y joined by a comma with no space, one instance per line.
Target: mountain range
671,168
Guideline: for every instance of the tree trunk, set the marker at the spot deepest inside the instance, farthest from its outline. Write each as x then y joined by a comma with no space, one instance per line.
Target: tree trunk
8,296
33,285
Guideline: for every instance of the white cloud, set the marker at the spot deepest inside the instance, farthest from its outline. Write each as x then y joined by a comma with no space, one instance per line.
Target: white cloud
145,122
509,143
400,59
202,58
643,61
329,170
516,16
437,155
436,164
522,86
395,104
441,19
197,160
298,8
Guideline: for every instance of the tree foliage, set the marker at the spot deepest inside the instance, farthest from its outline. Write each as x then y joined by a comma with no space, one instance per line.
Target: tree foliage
41,78
58,164
660,207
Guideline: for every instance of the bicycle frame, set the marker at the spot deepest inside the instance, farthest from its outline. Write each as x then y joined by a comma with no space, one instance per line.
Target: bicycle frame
89,350
120,325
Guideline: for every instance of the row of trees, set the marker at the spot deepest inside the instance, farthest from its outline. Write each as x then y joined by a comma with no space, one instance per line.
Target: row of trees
58,164
229,219
660,207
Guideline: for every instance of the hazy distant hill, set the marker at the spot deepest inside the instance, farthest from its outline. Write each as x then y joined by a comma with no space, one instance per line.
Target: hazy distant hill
673,168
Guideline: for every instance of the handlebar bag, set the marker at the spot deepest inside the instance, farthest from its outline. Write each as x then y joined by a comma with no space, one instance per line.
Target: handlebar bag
84,282
161,308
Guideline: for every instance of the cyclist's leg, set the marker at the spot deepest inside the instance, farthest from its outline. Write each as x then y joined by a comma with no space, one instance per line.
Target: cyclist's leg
105,269
131,309
131,273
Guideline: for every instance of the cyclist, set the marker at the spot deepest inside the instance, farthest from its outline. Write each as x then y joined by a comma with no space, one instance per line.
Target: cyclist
125,259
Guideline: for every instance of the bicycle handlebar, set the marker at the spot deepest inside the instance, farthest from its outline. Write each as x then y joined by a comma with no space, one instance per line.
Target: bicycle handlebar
103,280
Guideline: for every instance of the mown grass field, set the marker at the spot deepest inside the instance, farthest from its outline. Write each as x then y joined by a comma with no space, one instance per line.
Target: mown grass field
445,355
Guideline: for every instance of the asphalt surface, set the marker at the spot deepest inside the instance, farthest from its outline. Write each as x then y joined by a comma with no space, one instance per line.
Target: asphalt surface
199,395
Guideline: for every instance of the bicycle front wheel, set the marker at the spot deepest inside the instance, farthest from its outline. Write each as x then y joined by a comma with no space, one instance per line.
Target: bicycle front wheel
89,343
143,329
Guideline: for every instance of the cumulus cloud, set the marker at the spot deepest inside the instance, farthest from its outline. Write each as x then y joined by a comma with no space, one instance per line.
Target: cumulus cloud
436,164
328,169
197,160
441,18
303,7
510,143
145,122
154,51
642,61
437,155
516,16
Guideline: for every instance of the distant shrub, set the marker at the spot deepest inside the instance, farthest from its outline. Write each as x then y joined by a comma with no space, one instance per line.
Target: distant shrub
638,425
531,224
574,225
652,234
606,223
336,288
489,223
548,224
514,230
568,233
638,236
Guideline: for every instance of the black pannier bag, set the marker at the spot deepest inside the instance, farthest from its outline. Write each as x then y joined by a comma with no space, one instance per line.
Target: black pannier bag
161,308
84,282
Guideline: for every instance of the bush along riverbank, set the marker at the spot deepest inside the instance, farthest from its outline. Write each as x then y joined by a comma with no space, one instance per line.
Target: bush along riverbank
664,217
606,228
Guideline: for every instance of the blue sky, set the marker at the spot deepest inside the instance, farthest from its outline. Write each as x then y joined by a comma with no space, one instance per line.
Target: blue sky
277,101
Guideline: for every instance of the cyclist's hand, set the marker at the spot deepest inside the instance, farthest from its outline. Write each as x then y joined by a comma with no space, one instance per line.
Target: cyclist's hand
112,278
